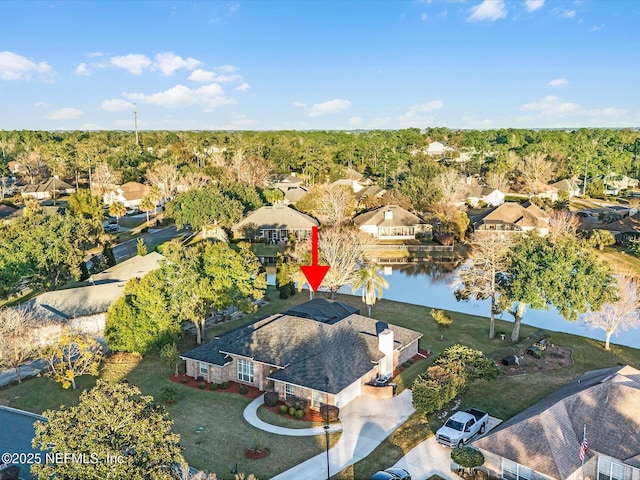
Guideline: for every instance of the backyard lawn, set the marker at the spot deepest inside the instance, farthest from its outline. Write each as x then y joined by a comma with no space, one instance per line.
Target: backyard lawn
225,435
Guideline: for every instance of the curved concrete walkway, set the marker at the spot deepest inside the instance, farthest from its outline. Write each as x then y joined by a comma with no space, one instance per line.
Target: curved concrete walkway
250,414
365,423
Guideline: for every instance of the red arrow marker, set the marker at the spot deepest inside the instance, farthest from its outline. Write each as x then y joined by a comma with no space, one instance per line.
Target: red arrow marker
315,273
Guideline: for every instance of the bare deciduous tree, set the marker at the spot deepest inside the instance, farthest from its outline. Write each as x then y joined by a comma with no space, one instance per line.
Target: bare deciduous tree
451,183
497,180
165,176
105,178
562,223
31,165
480,277
620,315
344,250
535,170
18,337
336,204
195,181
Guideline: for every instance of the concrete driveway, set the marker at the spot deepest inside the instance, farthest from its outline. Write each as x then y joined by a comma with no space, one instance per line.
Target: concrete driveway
430,458
365,423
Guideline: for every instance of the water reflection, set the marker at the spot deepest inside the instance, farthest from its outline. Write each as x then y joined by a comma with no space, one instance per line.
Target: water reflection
432,284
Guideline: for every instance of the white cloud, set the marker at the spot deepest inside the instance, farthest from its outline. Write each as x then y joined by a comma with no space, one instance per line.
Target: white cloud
222,75
168,63
551,105
417,116
210,96
329,107
243,87
134,63
355,121
533,5
558,82
423,17
491,10
115,105
41,104
96,54
64,114
472,121
299,104
82,70
595,28
16,67
565,13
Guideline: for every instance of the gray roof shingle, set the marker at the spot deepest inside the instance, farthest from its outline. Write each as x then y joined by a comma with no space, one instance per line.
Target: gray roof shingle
546,436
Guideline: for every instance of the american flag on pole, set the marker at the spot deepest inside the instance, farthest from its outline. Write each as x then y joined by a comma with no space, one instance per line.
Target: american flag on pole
584,446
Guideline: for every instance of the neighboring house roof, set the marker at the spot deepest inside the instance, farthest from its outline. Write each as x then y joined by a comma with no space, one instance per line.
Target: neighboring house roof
47,186
294,195
526,215
546,436
628,224
291,179
479,192
378,217
567,185
107,287
305,350
372,191
133,191
276,217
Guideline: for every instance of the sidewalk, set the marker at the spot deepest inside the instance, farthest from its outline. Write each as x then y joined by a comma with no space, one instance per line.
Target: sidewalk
365,423
250,414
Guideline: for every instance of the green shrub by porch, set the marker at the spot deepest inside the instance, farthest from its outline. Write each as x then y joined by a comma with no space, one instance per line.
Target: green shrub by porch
202,385
292,411
283,409
299,414
271,399
243,389
214,386
224,386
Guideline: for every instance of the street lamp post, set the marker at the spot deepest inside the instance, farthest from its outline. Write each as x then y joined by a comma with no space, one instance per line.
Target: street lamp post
326,424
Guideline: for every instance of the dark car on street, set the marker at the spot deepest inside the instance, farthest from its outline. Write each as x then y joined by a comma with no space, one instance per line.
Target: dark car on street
392,473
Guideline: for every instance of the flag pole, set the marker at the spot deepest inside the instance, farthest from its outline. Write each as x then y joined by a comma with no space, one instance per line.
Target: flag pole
584,436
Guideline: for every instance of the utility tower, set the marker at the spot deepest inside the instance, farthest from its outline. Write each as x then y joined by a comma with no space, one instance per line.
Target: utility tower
135,122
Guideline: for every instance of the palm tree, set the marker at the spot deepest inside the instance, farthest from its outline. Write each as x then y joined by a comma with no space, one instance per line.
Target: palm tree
146,205
301,280
117,209
372,284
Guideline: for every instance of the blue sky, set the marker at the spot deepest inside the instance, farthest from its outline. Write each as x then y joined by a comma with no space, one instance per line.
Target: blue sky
263,65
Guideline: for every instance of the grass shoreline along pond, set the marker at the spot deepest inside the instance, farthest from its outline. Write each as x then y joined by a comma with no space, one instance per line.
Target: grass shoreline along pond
225,434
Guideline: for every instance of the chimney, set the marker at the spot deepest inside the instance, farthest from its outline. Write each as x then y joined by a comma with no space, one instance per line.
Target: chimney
388,215
385,345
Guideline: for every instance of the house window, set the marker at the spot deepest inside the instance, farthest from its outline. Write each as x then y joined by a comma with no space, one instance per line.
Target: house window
289,390
245,371
204,369
609,470
316,399
515,471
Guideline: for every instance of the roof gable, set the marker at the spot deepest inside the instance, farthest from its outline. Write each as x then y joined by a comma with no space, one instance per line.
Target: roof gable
399,217
277,216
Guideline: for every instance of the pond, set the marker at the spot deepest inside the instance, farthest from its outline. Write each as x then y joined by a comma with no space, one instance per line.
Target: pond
433,284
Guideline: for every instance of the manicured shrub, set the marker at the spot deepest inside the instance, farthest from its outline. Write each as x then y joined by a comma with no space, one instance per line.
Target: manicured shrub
292,411
271,399
202,385
224,385
185,380
467,457
169,394
243,389
299,414
283,409
411,361
213,386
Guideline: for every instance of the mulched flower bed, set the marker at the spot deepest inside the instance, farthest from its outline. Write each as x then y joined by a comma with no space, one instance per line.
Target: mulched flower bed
310,416
256,454
421,355
234,387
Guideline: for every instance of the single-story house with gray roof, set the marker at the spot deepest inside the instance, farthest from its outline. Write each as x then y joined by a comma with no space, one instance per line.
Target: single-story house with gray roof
324,361
85,308
391,222
544,441
52,187
276,223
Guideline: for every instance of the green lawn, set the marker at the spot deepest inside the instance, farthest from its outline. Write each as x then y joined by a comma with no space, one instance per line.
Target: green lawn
225,435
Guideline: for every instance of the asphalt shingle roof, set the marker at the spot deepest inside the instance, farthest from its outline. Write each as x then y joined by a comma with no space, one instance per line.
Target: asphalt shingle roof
400,217
546,436
276,217
307,350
